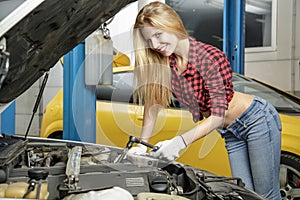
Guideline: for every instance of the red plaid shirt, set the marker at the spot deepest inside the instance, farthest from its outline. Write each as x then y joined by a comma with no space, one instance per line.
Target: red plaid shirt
206,84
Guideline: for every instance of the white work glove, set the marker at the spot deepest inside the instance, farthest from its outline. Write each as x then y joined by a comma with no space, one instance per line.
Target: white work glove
139,149
169,149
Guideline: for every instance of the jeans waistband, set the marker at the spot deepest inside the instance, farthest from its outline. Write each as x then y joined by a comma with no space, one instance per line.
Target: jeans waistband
256,103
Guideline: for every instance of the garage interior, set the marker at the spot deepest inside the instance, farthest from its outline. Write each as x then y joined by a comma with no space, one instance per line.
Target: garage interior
269,52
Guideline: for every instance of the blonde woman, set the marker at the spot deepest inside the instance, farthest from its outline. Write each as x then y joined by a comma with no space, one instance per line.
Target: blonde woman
170,63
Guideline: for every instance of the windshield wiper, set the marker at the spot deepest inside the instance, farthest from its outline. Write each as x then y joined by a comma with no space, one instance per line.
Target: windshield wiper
287,110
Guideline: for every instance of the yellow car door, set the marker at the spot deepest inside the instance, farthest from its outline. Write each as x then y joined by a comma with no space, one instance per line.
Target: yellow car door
116,113
114,123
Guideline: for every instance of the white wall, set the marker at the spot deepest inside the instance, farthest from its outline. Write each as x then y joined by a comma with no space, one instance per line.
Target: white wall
297,47
121,29
280,66
25,103
122,25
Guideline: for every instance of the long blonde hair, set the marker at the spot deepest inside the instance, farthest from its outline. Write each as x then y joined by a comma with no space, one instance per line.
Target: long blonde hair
152,71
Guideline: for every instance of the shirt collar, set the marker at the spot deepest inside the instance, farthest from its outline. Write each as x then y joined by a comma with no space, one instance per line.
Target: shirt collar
190,70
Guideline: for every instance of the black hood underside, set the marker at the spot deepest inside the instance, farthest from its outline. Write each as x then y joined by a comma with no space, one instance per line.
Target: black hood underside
47,33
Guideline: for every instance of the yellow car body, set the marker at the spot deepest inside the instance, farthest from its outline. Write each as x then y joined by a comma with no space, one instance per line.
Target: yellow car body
116,121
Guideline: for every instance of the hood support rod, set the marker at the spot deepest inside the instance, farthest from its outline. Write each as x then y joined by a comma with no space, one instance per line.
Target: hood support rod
37,102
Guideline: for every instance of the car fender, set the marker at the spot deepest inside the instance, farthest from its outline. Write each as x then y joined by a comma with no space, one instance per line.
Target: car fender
291,134
55,126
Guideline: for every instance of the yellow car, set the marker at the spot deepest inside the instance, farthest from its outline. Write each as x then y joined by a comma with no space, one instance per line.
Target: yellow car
118,118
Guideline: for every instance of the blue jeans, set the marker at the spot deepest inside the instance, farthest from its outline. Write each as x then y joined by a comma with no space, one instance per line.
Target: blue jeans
253,143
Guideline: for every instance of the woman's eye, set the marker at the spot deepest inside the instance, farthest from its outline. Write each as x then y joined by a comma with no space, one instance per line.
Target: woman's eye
157,35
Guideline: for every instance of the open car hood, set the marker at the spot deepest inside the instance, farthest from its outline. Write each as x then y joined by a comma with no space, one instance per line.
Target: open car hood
47,32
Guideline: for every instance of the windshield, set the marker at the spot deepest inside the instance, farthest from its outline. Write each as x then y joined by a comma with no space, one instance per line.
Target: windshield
281,102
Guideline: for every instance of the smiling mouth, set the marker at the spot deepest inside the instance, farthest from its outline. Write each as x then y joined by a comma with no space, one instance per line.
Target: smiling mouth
163,49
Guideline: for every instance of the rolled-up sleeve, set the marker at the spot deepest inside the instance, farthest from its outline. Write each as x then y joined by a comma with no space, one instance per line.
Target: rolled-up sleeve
217,76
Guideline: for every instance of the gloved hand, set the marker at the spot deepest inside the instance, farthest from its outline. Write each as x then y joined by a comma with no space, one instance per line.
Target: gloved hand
139,149
169,149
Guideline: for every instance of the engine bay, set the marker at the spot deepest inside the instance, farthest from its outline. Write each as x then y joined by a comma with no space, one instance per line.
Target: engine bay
42,168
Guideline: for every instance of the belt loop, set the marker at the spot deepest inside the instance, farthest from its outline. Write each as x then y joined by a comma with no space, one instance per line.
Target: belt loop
239,121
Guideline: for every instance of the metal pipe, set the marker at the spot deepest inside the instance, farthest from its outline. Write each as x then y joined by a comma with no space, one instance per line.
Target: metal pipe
293,46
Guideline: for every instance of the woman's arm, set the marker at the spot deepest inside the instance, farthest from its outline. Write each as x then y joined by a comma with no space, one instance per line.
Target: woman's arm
203,129
149,120
170,149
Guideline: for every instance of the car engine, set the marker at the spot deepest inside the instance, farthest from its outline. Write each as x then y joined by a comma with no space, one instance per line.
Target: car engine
40,168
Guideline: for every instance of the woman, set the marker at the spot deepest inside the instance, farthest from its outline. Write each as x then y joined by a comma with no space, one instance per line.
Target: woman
169,62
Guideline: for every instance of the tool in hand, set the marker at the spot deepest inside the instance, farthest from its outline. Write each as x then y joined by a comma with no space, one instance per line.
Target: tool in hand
133,140
130,143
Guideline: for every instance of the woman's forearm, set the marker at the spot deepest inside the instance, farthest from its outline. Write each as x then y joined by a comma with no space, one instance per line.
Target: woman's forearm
202,129
149,120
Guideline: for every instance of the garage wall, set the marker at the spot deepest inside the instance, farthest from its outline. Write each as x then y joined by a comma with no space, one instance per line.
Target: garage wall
122,35
280,66
297,47
25,103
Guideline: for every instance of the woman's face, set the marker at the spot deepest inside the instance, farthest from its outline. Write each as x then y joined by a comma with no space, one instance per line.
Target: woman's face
160,40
